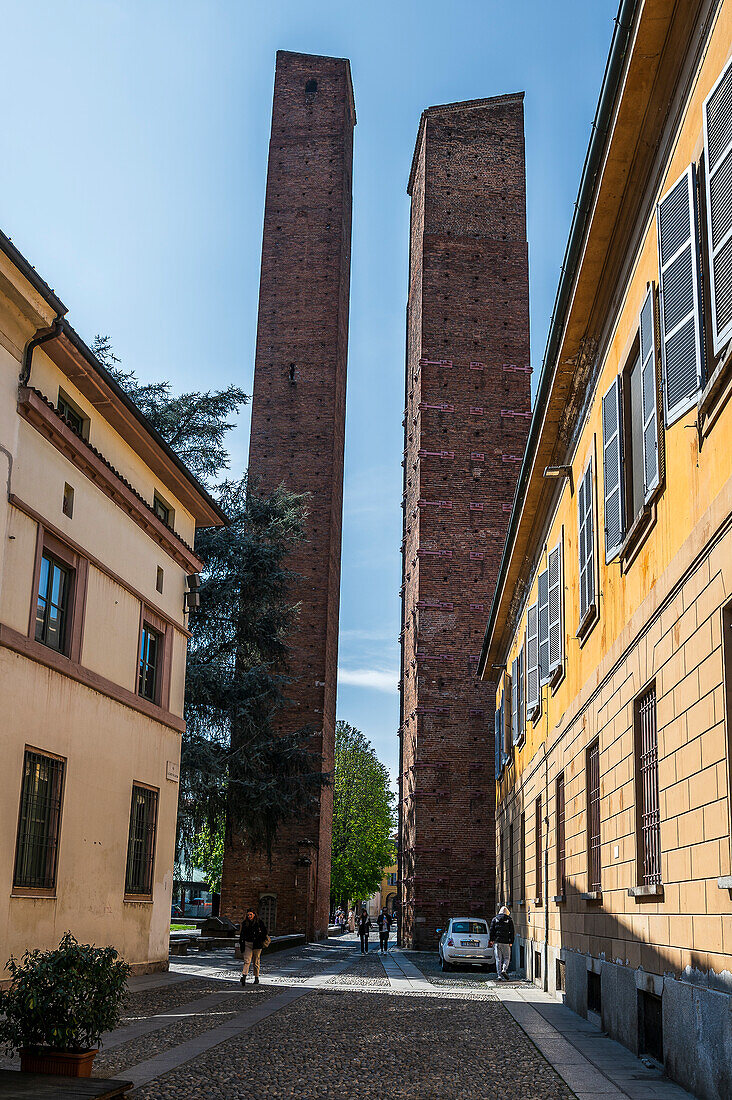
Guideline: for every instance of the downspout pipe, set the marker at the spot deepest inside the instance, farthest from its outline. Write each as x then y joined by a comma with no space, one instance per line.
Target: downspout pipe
593,162
42,336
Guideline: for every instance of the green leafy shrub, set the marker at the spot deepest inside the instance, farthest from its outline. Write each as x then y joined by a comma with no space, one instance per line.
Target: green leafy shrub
65,999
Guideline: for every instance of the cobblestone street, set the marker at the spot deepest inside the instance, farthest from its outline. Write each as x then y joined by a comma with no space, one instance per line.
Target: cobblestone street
326,1021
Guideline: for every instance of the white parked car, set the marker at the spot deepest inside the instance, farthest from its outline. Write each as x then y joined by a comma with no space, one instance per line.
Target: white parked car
465,942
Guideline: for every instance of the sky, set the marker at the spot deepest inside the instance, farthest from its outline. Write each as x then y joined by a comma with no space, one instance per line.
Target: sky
133,176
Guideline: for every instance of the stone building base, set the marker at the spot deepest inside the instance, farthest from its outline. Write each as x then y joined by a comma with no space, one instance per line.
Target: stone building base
695,1011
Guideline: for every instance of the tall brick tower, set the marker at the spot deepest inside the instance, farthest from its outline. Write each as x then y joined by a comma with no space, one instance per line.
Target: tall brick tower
297,436
466,421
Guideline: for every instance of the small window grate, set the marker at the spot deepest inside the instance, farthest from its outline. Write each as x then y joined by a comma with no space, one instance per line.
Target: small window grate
648,807
538,846
561,843
141,842
593,817
40,820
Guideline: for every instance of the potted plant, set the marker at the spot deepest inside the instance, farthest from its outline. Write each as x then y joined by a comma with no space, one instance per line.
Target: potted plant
58,1005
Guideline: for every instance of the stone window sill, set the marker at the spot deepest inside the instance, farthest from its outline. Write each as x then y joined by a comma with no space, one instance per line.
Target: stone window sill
592,895
716,393
725,882
34,895
638,533
560,899
643,893
588,624
139,899
537,901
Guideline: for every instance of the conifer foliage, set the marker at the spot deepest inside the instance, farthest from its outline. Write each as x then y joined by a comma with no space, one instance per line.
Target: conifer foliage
234,767
363,817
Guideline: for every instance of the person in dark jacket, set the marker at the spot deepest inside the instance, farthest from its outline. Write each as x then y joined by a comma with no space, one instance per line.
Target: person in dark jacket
364,927
384,924
502,936
251,940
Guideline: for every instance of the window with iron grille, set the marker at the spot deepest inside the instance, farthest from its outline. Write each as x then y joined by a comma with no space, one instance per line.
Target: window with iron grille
647,801
502,871
561,841
73,416
150,651
538,847
141,843
53,603
509,893
39,822
522,857
594,873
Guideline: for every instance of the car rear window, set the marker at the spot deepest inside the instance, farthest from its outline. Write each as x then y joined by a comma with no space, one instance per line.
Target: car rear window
471,927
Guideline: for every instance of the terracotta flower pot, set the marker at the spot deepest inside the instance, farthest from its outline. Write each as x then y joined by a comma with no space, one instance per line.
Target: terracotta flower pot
61,1062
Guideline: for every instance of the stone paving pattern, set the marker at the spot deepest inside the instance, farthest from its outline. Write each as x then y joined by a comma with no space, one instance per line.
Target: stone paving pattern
340,1042
112,1063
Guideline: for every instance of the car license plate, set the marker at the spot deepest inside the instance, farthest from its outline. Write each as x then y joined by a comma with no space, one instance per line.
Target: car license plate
469,943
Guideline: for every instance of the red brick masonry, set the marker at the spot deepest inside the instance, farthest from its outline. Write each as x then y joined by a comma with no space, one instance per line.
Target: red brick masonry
297,436
465,427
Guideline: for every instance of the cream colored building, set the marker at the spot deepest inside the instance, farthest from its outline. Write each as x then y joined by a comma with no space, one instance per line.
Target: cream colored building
97,521
611,629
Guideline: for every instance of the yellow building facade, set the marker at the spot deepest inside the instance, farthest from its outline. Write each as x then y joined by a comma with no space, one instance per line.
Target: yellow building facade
97,521
611,630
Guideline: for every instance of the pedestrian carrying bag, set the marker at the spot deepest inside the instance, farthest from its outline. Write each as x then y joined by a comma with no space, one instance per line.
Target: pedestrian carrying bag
267,941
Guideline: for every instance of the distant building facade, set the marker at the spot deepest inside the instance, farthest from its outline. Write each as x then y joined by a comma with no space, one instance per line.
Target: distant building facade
612,619
467,407
97,520
297,438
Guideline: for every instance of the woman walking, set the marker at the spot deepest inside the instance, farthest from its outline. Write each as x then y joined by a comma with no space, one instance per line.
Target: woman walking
384,925
364,927
252,938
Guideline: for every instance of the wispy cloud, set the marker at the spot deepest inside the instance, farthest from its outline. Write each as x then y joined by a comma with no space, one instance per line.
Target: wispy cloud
372,678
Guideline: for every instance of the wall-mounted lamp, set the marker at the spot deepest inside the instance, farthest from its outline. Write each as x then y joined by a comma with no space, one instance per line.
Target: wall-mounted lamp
192,598
561,471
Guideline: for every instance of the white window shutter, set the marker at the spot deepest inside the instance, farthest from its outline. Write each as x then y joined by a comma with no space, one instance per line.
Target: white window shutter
556,617
612,470
718,157
678,262
581,548
520,697
589,536
498,741
586,542
543,613
651,470
514,701
533,691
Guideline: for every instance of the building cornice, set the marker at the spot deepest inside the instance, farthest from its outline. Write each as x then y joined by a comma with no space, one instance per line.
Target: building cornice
46,419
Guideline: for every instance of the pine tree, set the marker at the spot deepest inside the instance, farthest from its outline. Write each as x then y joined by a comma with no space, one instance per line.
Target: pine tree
234,768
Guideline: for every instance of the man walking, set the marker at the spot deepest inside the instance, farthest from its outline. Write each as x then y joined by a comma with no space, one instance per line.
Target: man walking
502,936
384,924
252,939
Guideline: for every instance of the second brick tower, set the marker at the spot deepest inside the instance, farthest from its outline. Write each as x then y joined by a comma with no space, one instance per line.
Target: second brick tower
466,421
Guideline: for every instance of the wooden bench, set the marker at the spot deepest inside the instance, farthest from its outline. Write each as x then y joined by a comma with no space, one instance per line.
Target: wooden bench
15,1085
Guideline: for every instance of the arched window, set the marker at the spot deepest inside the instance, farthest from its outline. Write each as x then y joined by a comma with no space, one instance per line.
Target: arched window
268,911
